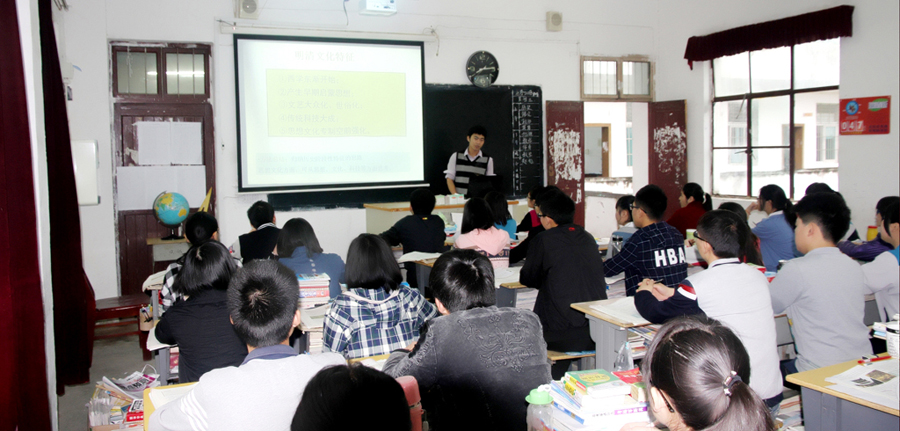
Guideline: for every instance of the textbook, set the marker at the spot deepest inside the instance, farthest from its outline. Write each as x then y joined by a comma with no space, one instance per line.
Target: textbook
632,412
588,404
597,383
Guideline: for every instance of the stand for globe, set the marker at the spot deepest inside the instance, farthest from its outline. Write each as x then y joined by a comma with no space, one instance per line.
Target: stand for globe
174,230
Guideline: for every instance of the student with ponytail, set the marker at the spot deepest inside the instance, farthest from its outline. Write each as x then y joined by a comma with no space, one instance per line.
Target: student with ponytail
775,232
694,203
711,357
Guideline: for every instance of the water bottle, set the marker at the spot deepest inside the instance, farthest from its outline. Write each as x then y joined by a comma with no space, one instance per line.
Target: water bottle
615,246
540,410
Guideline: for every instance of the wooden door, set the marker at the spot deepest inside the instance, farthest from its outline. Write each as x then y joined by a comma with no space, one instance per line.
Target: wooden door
135,226
668,149
565,151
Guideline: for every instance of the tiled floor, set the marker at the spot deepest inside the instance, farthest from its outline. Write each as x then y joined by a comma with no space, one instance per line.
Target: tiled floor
113,357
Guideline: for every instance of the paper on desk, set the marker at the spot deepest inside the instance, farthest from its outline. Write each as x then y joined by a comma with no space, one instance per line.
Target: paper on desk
417,255
506,275
153,343
622,309
154,281
371,363
876,382
163,395
313,318
616,278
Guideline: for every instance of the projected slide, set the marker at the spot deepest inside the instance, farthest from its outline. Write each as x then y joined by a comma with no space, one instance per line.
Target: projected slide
320,114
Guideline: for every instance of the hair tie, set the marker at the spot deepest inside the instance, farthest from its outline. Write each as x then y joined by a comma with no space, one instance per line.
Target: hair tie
729,382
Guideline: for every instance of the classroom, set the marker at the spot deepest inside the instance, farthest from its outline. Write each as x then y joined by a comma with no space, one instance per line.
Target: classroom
513,31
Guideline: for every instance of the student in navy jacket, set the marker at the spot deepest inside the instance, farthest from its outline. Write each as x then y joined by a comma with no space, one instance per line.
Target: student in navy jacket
420,231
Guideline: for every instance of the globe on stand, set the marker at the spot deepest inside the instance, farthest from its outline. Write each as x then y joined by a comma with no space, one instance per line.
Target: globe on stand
171,209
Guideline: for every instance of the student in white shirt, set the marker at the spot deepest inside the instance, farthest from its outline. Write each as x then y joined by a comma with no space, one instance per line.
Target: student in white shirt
883,274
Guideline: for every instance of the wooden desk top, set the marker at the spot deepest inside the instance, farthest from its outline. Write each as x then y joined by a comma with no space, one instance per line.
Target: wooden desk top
160,241
374,358
815,379
586,308
404,206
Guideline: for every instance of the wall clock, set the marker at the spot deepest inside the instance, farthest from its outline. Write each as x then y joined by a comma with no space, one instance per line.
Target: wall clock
482,69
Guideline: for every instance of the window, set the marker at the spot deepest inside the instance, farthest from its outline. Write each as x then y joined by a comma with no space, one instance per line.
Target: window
629,146
759,97
136,72
616,78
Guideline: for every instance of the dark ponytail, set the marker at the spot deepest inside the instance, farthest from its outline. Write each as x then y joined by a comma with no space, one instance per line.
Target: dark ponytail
703,370
693,190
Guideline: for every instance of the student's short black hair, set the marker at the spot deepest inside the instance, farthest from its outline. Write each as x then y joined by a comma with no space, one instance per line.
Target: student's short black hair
477,214
884,203
373,396
818,188
724,231
260,213
828,211
477,129
652,200
200,227
890,216
735,208
371,264
557,205
536,190
422,201
206,266
262,300
499,207
297,232
463,279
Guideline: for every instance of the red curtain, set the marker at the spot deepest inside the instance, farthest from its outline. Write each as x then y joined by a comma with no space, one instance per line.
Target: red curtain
24,402
73,299
809,27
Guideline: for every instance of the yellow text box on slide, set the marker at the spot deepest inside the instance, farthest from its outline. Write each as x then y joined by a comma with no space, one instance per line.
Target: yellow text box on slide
324,103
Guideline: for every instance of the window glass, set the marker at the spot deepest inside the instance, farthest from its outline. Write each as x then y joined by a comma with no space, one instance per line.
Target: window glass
732,75
636,78
184,73
817,64
768,115
600,77
136,72
728,178
770,166
770,69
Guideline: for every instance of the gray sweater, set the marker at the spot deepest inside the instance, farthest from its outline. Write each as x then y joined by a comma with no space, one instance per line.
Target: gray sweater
823,294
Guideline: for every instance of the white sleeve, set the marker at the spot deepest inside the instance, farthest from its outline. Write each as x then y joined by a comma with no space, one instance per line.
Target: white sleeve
451,167
490,167
880,273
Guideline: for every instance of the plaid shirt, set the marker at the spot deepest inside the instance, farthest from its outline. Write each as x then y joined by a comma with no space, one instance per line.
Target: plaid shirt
166,296
368,322
656,252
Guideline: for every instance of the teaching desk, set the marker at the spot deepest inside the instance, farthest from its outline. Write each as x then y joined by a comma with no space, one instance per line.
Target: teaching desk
380,217
827,409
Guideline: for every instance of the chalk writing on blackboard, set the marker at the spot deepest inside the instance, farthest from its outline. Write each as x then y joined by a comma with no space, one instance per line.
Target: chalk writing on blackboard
528,148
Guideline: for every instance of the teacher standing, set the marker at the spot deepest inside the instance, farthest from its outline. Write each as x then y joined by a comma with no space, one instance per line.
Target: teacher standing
469,163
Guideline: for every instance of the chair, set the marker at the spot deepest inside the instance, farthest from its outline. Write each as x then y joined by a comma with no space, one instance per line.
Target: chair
411,389
128,309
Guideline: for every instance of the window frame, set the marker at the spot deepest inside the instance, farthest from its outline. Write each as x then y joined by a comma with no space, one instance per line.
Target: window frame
619,96
160,49
748,98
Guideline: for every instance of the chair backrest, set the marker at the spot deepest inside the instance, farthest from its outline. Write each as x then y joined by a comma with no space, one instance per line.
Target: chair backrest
411,389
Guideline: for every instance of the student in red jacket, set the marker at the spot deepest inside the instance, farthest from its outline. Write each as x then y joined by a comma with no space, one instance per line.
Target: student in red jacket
694,203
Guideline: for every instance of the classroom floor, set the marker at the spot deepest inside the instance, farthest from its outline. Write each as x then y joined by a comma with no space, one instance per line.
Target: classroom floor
113,357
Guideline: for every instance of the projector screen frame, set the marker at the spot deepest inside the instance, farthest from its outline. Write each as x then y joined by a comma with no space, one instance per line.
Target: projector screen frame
321,187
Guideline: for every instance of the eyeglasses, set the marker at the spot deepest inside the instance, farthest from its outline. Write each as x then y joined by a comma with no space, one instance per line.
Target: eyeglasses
671,410
697,237
633,207
540,215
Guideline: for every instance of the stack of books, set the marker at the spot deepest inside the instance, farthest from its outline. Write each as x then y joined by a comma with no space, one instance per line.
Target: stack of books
313,290
595,400
639,339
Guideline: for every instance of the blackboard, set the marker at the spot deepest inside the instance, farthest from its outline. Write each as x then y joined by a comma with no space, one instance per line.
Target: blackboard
513,117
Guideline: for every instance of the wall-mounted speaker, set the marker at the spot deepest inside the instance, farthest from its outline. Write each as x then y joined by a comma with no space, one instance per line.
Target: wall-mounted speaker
554,21
246,9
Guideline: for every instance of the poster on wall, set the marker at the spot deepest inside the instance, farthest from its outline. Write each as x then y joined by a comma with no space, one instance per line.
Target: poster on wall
866,116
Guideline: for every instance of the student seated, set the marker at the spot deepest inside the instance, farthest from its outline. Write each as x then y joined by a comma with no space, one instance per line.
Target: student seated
475,363
564,265
869,250
697,372
298,249
478,233
694,203
260,241
852,234
624,225
823,292
420,231
353,397
502,219
518,254
376,314
263,392
530,221
656,250
722,241
776,237
200,325
751,255
199,228
883,274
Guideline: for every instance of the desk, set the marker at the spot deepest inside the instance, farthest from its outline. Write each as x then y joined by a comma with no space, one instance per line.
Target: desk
828,409
167,250
149,408
607,331
380,217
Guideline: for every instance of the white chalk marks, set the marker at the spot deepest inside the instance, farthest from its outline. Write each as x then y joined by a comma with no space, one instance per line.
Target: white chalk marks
670,143
568,163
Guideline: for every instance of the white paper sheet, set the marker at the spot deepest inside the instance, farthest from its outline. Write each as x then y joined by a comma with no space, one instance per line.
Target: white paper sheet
622,309
877,382
138,186
417,255
153,343
163,395
169,143
506,275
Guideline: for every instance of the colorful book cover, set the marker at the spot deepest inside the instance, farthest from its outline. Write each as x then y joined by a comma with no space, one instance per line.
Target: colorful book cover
631,376
598,383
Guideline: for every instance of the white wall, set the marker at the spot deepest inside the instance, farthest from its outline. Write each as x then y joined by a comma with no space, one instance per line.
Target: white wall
869,67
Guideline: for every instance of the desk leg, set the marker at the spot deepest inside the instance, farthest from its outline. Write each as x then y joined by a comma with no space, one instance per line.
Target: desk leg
422,274
608,337
506,297
162,365
824,412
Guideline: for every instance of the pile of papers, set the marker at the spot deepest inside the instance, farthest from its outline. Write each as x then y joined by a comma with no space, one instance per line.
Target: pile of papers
597,400
313,290
876,382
